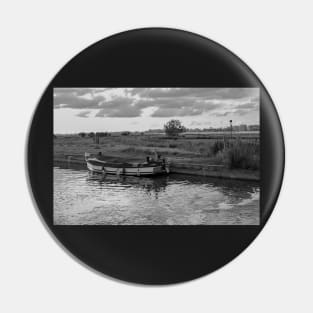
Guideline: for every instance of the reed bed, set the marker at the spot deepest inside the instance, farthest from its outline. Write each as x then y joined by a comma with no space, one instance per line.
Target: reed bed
234,154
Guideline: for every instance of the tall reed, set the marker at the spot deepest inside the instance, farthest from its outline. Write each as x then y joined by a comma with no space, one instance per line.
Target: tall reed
238,154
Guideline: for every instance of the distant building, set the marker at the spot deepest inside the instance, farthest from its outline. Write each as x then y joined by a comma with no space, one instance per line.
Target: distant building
243,127
254,127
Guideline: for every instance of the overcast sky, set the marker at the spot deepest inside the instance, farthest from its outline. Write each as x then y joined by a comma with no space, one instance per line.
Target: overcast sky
138,109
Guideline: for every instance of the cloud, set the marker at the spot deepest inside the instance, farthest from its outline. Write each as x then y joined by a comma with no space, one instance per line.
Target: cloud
78,91
167,107
78,98
245,106
117,102
179,108
119,107
127,111
169,112
205,93
164,102
222,114
241,112
68,100
83,114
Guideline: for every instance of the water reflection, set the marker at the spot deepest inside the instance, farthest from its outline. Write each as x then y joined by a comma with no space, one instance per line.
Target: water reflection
81,197
153,186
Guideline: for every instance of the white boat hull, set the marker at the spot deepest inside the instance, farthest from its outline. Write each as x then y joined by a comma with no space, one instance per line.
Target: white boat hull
130,171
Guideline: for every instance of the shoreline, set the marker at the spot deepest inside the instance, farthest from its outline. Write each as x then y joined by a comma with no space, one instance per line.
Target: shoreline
216,171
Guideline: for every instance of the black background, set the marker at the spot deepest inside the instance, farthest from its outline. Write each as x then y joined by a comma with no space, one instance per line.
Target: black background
154,58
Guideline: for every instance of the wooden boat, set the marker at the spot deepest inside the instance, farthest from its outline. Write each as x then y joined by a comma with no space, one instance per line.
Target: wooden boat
98,165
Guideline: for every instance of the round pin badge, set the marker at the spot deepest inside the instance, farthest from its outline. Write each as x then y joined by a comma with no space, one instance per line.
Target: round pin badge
155,156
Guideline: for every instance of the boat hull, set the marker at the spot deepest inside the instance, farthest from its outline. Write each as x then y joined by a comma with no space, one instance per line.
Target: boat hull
97,167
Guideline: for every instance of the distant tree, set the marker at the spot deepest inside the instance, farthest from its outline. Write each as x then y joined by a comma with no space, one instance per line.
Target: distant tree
91,135
125,133
173,128
54,136
82,135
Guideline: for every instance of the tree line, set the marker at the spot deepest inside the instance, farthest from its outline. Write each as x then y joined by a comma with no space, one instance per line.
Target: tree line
92,134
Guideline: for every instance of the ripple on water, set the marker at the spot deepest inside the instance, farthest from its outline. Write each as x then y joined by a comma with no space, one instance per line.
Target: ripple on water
81,198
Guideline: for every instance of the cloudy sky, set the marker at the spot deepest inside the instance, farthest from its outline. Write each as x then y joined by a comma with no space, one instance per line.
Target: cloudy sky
139,109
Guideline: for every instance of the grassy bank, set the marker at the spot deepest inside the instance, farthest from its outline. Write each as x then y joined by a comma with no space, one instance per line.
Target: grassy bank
239,154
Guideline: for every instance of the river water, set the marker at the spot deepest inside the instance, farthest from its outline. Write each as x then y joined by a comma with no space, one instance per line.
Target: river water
82,198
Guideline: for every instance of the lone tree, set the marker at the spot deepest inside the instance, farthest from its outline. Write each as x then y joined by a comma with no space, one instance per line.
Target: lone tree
173,128
82,135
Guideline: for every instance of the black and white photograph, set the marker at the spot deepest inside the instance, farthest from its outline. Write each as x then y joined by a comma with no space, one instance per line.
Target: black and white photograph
156,156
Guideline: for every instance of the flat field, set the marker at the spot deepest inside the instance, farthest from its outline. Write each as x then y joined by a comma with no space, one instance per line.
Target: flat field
238,152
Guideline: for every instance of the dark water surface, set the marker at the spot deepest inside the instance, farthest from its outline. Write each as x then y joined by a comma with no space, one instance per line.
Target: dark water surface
84,198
